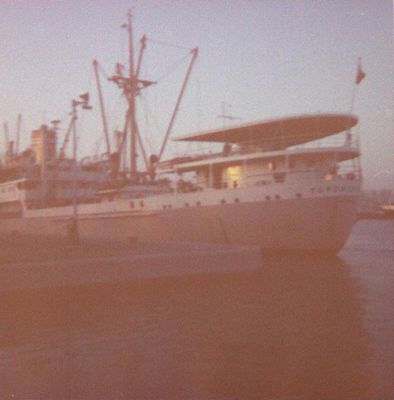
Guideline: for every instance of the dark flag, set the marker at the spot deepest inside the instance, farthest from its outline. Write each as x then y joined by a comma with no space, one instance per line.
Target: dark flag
360,74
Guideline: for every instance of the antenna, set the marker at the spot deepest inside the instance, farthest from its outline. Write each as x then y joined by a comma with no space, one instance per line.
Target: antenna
227,115
18,131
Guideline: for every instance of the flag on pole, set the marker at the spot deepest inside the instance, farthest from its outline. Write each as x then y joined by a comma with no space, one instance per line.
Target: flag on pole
360,73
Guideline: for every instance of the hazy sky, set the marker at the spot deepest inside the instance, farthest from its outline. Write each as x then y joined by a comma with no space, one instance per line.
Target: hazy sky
266,58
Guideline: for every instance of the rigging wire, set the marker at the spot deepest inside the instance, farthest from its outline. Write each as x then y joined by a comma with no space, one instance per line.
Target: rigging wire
122,49
147,125
148,112
172,68
113,106
97,148
169,44
101,69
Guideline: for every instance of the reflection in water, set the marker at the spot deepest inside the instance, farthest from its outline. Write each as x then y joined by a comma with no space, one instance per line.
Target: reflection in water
292,329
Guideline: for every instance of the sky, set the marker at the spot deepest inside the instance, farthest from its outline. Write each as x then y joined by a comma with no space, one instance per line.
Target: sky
263,58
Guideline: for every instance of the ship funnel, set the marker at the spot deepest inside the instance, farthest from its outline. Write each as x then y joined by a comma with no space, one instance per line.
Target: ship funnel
43,144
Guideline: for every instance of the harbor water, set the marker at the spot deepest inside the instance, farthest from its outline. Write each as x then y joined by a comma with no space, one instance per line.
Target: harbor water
203,322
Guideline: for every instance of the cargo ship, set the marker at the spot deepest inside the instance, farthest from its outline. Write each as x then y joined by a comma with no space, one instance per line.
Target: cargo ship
282,184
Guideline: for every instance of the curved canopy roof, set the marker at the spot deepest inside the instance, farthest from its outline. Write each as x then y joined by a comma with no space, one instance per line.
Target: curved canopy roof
279,133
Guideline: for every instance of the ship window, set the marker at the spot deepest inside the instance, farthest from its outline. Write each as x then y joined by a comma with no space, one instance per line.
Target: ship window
328,177
268,197
298,195
142,203
272,165
236,200
223,201
198,203
277,197
131,204
233,175
186,204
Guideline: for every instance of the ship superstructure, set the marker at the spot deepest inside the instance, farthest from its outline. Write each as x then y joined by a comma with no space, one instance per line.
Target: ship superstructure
39,177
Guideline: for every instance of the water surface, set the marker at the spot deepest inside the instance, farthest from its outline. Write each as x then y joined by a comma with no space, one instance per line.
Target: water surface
290,328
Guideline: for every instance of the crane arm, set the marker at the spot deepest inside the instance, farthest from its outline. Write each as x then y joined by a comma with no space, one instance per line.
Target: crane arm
102,108
66,138
194,53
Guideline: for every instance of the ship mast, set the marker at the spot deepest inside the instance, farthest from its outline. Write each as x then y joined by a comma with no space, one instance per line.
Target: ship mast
131,84
131,94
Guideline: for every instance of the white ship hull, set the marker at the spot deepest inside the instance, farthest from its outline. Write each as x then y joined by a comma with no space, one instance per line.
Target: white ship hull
315,223
321,224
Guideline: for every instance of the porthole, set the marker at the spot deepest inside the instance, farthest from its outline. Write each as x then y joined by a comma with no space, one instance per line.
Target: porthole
186,204
298,195
268,197
236,200
223,201
277,197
